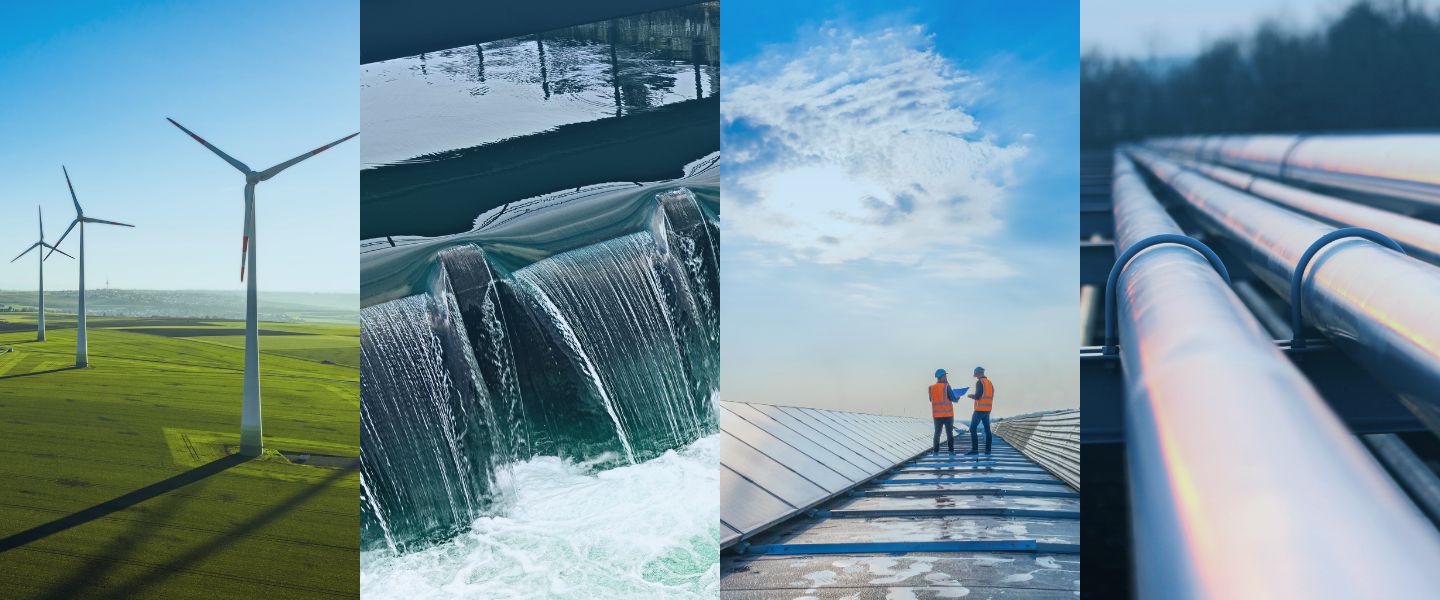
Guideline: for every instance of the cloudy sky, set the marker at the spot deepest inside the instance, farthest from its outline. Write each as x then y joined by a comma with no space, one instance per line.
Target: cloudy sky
900,196
89,84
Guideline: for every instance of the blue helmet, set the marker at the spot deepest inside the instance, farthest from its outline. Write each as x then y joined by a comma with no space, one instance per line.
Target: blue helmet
939,373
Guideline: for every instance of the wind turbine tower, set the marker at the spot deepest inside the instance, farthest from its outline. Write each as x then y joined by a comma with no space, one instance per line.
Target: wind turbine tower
82,356
250,424
40,335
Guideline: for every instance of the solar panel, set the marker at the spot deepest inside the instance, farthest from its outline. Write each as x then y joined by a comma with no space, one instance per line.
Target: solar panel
779,461
839,436
852,432
768,473
781,452
804,444
866,430
745,506
825,438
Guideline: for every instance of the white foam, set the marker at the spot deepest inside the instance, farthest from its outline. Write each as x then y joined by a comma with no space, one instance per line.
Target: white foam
637,531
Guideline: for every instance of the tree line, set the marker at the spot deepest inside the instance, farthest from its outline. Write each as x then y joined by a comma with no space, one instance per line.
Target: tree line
1373,67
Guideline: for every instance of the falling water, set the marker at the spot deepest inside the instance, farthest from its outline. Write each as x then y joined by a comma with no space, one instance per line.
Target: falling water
605,354
430,435
573,344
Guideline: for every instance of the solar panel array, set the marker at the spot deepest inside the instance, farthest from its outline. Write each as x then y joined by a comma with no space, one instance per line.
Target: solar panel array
776,461
1051,439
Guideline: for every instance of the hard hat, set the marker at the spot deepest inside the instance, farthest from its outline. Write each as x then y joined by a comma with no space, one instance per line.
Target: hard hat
979,369
939,373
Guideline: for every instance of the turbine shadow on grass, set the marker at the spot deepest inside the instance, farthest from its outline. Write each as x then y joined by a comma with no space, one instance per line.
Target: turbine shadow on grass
134,587
119,503
31,374
102,563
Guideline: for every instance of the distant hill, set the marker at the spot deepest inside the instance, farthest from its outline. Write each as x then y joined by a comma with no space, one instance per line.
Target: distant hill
296,307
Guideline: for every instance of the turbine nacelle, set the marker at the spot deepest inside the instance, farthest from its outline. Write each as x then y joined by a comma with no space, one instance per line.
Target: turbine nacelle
42,245
79,216
253,178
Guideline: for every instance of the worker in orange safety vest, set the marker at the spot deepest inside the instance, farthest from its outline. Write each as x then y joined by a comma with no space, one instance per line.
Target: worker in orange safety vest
942,409
984,397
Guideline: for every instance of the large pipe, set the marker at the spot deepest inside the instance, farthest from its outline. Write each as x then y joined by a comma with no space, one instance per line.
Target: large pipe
1232,454
1400,170
1375,304
1413,473
1273,321
1420,238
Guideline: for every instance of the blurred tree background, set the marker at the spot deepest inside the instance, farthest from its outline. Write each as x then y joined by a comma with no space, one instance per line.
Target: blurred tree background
1375,66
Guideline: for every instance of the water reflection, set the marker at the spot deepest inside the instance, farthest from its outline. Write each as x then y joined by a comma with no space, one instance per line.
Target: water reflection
416,107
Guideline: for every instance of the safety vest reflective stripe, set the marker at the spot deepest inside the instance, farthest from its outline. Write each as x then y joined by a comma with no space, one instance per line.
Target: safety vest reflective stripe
940,406
987,395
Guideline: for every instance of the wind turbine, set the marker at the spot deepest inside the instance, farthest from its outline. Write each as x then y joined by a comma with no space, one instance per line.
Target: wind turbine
82,355
250,425
40,337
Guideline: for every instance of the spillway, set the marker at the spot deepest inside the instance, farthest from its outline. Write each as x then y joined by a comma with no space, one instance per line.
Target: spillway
596,345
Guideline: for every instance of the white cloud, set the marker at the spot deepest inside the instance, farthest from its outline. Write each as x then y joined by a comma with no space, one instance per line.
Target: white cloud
866,297
858,147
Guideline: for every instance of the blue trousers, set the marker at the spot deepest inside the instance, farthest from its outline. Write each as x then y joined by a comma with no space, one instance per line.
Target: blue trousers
948,424
976,419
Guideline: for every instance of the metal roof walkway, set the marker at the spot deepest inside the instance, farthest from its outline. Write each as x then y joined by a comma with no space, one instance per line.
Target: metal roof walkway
935,526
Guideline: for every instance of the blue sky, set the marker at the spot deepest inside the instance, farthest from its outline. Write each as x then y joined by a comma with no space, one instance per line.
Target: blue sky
1181,27
900,195
89,84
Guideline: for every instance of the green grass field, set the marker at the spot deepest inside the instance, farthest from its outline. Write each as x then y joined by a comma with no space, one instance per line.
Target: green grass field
119,480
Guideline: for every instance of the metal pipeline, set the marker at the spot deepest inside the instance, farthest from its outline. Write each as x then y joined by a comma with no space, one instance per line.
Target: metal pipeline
1420,238
1400,170
1273,321
1413,473
1375,304
1217,420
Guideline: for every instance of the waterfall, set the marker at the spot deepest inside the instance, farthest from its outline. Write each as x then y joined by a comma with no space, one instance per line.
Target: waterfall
606,352
430,439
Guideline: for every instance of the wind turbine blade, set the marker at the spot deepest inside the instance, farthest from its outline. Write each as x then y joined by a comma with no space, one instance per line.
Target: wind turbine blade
234,163
249,228
62,236
42,222
53,250
78,211
103,221
27,251
275,170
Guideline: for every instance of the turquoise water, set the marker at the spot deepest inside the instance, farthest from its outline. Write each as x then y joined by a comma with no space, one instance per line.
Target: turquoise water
576,530
597,343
